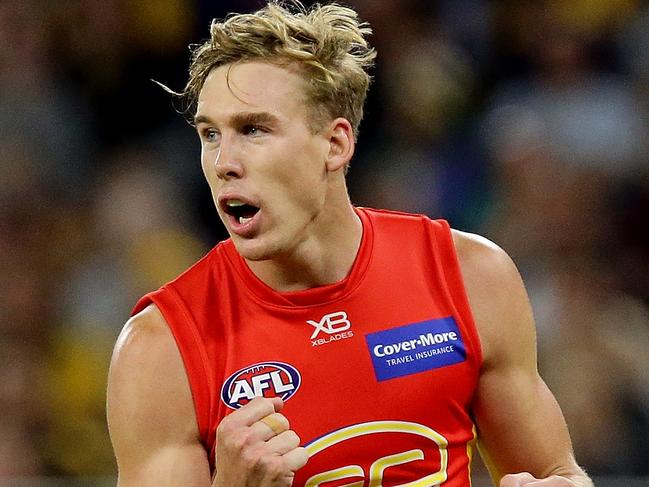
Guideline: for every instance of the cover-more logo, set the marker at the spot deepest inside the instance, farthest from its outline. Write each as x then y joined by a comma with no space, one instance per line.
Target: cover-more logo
335,326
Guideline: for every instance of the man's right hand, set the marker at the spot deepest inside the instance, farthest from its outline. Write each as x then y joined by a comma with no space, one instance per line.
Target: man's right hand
256,448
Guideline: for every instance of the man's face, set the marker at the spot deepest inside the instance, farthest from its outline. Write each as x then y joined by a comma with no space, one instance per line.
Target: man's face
264,165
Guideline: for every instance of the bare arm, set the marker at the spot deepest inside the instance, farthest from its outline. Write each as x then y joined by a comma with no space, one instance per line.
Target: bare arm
151,415
522,432
153,425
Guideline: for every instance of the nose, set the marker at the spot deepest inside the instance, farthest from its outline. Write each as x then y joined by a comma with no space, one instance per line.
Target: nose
227,162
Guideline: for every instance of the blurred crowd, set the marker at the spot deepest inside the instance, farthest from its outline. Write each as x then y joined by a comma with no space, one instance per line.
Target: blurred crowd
524,120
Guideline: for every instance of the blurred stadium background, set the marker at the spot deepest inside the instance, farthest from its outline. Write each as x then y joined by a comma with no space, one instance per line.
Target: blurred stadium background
524,120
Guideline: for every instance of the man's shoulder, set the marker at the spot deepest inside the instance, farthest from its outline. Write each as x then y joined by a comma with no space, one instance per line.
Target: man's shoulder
496,294
192,281
146,337
146,371
146,325
190,285
149,403
214,257
480,256
488,272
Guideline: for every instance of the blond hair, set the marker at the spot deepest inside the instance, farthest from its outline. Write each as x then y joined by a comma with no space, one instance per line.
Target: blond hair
327,43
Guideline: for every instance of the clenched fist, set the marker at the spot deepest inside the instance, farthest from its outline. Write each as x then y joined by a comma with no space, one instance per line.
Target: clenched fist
255,447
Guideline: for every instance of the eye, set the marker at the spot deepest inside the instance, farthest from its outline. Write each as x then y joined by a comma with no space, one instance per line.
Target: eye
209,135
251,130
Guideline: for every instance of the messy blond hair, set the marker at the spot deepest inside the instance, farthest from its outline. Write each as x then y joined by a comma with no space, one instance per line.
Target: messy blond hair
326,43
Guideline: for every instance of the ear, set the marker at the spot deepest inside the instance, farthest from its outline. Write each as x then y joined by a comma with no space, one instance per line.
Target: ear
341,144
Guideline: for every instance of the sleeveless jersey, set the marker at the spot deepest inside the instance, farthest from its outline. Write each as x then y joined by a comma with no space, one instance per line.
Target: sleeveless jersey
377,371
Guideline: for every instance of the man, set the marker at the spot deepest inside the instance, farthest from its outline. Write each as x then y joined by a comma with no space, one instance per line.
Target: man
323,344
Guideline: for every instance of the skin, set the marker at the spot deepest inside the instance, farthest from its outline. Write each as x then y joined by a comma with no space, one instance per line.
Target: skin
297,179
281,166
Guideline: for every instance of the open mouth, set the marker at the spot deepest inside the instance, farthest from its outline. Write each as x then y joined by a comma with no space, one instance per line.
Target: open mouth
241,212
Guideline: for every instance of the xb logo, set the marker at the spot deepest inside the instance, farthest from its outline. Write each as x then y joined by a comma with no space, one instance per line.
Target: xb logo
334,325
330,324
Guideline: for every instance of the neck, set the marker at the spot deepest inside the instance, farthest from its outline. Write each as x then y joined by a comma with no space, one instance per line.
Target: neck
324,257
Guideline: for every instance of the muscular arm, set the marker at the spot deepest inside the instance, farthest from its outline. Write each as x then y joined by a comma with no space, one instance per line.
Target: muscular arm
151,415
520,425
153,425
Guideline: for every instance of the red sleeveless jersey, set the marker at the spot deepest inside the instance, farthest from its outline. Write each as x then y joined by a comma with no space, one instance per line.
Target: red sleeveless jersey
377,371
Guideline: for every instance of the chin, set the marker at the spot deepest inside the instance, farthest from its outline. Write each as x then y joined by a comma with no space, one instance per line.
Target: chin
254,250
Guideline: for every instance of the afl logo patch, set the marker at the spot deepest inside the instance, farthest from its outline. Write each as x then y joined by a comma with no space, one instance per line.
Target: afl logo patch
266,379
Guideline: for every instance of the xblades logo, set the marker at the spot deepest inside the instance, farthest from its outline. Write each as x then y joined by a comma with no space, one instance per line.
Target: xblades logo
335,326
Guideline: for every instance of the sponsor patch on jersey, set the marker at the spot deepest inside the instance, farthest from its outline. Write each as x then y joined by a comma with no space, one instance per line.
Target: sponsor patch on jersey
265,379
399,451
416,347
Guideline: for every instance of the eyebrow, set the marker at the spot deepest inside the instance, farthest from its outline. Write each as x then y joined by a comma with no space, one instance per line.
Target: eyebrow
242,119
